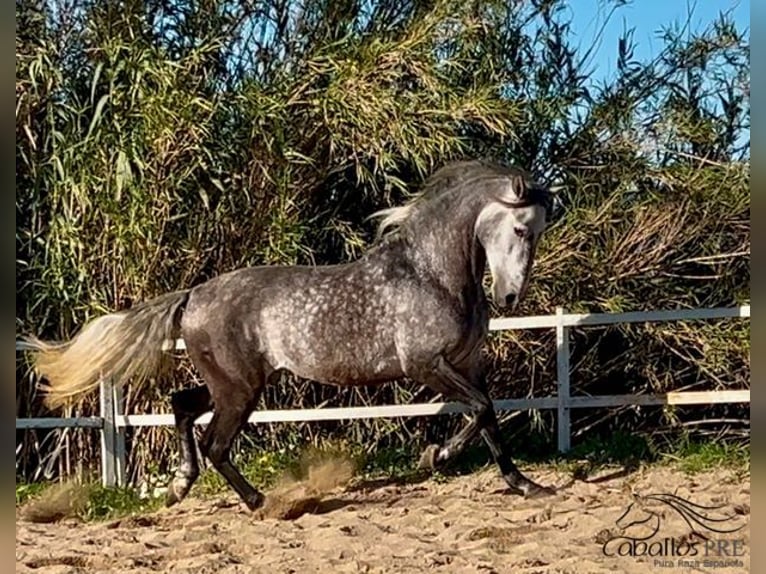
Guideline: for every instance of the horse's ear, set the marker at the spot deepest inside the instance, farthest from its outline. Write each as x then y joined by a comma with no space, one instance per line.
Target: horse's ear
519,187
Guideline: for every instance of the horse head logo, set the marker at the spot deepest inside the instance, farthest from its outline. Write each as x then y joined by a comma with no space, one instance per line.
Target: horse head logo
643,518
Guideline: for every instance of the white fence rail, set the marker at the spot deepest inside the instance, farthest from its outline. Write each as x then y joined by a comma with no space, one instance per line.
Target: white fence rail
112,421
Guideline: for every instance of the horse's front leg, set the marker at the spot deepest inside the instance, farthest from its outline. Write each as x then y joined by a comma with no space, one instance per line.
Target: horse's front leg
435,456
440,374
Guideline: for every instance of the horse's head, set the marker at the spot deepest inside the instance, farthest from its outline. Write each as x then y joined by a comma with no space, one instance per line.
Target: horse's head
509,227
635,514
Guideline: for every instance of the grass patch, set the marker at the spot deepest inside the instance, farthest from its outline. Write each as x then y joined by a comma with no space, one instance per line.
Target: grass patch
695,456
27,490
263,468
397,463
619,448
52,502
260,468
628,450
105,503
631,450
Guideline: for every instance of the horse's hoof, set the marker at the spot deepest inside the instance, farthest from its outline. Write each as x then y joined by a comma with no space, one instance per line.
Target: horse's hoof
255,501
428,457
534,490
177,491
171,498
522,486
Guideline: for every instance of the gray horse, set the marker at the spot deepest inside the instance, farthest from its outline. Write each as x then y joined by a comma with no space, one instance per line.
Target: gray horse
413,305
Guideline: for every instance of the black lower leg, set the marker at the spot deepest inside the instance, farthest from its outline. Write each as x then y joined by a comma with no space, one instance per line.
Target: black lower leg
188,404
475,395
443,378
518,483
216,445
435,455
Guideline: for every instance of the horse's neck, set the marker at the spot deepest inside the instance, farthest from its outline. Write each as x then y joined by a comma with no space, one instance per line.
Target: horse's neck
452,257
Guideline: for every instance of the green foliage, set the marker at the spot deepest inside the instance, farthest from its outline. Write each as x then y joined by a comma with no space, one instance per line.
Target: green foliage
105,503
694,456
619,448
392,462
28,490
261,468
158,145
52,501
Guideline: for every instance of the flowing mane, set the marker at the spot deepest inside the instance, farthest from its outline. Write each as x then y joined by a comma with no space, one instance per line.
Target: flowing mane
450,179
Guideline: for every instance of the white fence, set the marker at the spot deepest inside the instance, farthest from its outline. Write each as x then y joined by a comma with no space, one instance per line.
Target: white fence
112,421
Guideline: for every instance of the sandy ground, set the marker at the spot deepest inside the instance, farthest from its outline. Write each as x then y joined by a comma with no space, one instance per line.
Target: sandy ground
466,524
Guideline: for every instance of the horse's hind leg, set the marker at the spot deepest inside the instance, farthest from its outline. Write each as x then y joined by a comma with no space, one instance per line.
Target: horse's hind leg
216,445
235,387
188,404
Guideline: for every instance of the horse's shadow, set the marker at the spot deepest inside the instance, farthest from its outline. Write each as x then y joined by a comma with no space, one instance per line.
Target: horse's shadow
475,462
368,486
372,484
328,505
625,471
345,499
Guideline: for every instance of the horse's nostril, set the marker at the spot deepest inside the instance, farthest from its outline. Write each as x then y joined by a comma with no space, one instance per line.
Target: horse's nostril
510,298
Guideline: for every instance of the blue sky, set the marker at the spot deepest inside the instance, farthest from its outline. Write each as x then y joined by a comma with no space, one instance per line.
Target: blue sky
647,17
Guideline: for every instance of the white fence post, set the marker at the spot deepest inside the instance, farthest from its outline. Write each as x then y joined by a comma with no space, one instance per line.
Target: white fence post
120,464
562,381
108,431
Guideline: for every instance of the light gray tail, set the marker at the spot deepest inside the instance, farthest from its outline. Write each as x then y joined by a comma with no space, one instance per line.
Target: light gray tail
121,346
